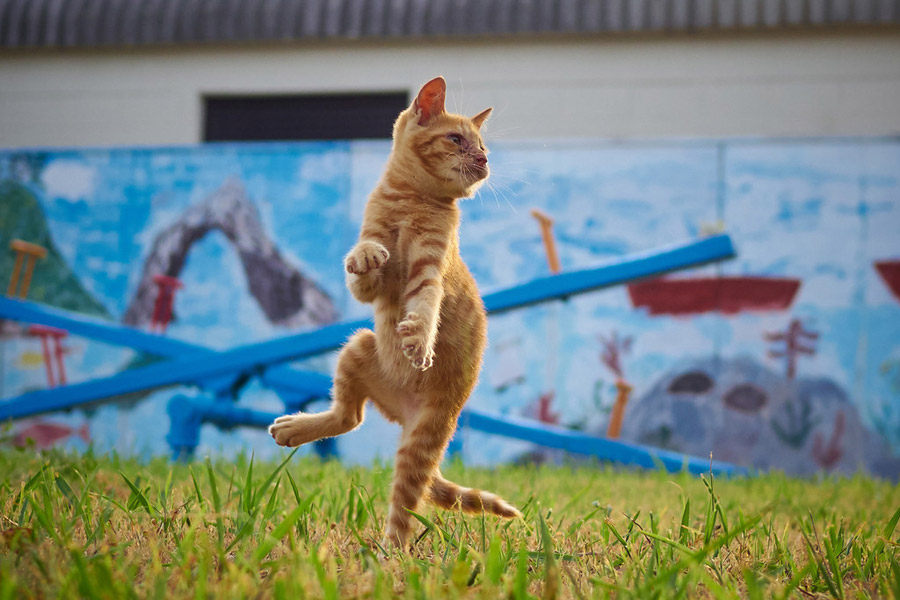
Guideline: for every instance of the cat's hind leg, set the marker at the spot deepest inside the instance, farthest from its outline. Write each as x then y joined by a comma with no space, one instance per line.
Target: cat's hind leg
355,379
422,446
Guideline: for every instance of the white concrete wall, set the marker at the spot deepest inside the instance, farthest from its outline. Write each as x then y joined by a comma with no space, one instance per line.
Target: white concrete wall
772,85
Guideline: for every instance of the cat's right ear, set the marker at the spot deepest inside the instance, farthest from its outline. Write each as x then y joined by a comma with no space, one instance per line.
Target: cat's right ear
481,117
430,101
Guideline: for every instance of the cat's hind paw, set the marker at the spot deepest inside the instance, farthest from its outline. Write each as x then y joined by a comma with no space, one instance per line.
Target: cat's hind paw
414,342
366,256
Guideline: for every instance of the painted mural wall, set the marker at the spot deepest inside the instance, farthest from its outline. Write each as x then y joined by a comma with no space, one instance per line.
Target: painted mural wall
786,357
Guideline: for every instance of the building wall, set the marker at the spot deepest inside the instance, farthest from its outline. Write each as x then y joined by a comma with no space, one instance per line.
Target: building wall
636,87
256,234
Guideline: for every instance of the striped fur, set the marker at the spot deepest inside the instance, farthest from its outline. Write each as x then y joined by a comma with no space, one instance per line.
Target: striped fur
422,361
446,494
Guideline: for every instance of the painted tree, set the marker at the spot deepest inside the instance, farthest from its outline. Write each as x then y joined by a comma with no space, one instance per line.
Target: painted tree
611,356
792,344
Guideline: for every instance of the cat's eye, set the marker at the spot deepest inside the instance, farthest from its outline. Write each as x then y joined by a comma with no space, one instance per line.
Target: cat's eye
456,139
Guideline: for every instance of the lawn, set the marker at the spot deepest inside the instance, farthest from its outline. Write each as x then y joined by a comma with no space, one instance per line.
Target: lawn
91,526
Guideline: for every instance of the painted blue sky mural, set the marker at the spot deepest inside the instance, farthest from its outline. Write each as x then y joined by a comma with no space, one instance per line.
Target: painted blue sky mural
817,215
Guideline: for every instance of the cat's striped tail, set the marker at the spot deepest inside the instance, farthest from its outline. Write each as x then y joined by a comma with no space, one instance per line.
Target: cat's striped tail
446,494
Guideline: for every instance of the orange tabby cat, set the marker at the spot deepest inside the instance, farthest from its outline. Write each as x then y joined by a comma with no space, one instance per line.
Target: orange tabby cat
422,361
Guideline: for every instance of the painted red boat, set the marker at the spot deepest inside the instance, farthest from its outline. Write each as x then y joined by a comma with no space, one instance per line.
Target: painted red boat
890,272
728,295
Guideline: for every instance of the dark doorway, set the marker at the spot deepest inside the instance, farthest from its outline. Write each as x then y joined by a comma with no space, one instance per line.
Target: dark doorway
312,117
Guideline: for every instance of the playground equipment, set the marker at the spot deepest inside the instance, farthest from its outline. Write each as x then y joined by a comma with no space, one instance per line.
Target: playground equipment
222,374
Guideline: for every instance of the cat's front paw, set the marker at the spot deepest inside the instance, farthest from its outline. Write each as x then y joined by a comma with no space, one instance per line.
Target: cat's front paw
414,342
290,430
366,256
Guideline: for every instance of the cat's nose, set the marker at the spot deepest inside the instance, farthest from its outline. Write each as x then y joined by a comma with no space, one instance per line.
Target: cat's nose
480,159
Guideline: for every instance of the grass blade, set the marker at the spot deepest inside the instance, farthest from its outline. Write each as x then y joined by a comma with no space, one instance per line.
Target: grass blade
281,530
137,495
493,562
551,571
444,535
685,532
217,505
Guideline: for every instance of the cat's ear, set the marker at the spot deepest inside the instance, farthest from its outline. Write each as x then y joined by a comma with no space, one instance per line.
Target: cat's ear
481,117
430,101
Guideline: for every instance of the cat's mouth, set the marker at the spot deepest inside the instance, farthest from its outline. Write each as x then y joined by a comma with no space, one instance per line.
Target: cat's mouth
474,172
478,172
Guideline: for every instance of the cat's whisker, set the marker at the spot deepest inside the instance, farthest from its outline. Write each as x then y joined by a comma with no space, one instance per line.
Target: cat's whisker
493,189
505,180
516,168
463,174
500,185
509,177
505,177
518,164
510,171
495,133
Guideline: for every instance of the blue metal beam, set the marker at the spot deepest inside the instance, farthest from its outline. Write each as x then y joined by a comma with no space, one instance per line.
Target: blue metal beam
630,268
282,379
578,443
193,369
256,358
189,413
95,329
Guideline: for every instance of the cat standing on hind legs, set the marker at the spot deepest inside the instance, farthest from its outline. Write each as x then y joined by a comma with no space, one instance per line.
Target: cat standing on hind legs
422,361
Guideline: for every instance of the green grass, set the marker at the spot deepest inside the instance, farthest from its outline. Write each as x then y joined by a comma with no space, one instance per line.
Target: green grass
86,526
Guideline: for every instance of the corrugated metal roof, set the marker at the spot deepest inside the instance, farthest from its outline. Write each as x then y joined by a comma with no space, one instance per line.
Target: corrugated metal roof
93,23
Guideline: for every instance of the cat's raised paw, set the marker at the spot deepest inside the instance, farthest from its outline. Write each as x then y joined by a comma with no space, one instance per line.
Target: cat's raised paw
414,342
290,430
366,256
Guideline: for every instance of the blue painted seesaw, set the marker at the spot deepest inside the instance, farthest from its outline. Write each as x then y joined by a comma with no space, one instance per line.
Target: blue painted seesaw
222,374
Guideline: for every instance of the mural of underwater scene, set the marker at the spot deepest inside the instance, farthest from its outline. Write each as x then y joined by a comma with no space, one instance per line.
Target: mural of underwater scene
787,357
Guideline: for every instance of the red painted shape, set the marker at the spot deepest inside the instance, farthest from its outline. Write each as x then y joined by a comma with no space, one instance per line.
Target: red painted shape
890,272
795,340
165,297
613,348
828,455
45,330
729,295
45,348
59,351
165,280
45,434
545,412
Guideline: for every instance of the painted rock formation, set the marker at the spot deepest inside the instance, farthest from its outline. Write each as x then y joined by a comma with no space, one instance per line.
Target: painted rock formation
285,295
744,413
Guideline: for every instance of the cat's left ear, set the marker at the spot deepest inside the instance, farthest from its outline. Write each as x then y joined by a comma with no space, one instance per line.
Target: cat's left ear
481,117
430,101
